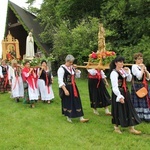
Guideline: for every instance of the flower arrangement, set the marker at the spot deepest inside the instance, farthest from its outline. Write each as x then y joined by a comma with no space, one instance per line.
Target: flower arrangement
105,57
37,60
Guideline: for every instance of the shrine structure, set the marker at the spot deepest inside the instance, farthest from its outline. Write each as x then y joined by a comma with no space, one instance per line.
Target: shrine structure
10,48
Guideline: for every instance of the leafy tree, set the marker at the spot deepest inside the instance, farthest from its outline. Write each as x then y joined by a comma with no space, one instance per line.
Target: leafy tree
129,21
79,41
66,23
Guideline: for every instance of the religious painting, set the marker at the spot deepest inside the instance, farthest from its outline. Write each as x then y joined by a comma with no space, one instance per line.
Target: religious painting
10,48
11,52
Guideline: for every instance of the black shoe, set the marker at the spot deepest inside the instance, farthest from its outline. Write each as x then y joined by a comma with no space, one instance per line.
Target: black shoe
17,100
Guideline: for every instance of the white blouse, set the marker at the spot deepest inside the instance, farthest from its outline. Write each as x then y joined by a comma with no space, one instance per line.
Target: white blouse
94,72
1,73
114,82
61,73
136,71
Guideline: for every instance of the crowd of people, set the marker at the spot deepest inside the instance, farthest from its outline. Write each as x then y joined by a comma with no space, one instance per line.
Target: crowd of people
127,109
27,82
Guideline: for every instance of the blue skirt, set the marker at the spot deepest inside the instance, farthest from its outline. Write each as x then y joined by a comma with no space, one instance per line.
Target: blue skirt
140,104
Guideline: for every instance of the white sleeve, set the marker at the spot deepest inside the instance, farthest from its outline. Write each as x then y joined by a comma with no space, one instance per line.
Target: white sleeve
52,75
26,74
92,71
78,74
10,71
114,83
129,76
38,71
136,72
60,74
1,74
103,74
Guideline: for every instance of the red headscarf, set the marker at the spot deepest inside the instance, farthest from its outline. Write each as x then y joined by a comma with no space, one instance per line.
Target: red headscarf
30,78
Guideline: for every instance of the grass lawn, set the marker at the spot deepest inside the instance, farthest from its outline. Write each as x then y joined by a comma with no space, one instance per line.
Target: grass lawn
44,128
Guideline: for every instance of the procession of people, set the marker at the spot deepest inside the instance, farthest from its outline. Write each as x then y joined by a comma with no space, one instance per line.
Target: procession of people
127,109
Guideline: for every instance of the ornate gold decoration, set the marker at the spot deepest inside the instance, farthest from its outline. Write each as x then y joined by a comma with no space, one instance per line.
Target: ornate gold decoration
10,48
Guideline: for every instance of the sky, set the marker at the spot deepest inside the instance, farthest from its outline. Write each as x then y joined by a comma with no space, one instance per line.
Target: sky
3,12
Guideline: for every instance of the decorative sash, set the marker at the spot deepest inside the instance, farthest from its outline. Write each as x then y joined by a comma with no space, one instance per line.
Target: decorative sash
30,78
47,85
97,76
74,86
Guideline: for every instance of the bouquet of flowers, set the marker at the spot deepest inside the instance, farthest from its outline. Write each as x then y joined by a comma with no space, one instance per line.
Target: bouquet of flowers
36,61
105,57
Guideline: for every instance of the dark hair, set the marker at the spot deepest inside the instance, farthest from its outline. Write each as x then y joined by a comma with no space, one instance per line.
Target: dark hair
43,61
26,62
117,59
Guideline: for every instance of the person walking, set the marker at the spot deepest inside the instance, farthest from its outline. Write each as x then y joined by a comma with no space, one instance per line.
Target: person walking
123,112
15,80
99,96
45,80
140,79
4,81
69,94
31,77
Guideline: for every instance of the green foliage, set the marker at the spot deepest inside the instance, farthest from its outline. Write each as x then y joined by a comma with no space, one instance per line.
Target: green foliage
68,27
37,60
125,19
143,47
76,9
79,41
107,60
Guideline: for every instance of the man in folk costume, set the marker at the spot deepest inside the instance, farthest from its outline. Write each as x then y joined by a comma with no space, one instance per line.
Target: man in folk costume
69,94
4,83
45,82
15,80
31,77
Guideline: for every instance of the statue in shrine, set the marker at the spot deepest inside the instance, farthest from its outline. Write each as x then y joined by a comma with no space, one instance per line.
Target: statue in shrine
30,46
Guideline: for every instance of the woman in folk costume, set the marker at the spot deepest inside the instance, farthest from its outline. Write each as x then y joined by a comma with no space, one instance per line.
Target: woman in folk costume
4,82
45,81
123,112
99,96
140,77
15,80
31,77
69,94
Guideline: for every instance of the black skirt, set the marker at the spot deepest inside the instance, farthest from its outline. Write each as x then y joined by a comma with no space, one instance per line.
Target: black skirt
124,114
71,105
99,96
